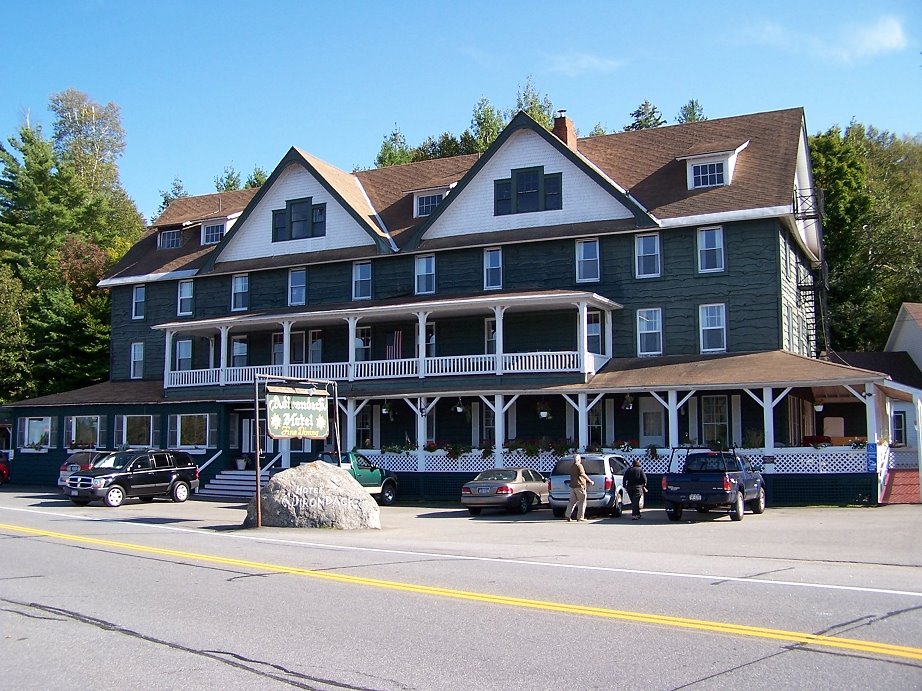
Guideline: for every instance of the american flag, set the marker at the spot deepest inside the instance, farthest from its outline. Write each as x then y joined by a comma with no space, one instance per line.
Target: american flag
394,347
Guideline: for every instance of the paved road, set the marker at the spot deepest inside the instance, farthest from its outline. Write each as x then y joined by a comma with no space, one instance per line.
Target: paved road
169,595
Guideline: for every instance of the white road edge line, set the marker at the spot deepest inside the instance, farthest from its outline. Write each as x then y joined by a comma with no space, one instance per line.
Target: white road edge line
462,557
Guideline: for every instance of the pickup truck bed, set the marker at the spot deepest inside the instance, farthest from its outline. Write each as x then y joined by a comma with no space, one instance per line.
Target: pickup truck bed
713,480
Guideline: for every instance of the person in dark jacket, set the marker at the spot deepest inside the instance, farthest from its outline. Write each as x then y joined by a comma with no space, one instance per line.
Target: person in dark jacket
635,482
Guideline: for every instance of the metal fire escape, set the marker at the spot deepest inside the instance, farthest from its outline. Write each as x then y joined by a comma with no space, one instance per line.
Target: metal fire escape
813,288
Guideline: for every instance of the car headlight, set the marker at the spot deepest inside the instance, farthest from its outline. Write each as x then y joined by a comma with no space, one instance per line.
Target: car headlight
100,482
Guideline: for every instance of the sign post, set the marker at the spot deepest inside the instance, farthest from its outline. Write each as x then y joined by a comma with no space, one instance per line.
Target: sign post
295,409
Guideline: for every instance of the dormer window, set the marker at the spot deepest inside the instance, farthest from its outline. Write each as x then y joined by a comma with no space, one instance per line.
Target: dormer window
170,239
711,165
426,201
527,190
212,233
300,219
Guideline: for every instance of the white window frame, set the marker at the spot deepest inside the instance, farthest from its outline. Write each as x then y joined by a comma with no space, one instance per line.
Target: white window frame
361,283
583,262
138,299
239,349
297,293
708,321
647,317
120,435
212,233
493,270
424,201
710,407
702,179
425,274
181,287
594,324
32,432
98,428
898,428
639,241
183,353
175,431
240,288
136,368
363,336
717,251
315,346
296,348
489,336
169,239
430,339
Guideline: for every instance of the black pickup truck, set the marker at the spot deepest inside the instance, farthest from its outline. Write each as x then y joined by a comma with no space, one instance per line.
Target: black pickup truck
143,473
713,480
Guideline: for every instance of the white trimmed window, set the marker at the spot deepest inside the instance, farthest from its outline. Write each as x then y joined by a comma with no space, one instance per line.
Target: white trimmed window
647,255
898,428
425,274
713,324
363,343
715,421
239,351
136,430
429,340
138,295
650,331
594,331
296,347
361,281
183,355
169,239
489,336
492,268
184,298
193,431
315,351
587,261
297,286
84,431
38,433
426,203
710,249
137,360
240,292
212,233
710,174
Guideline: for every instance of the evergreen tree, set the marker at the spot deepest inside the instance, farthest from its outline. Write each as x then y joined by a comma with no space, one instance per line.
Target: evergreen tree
177,191
394,150
486,124
534,104
598,130
229,181
645,117
257,178
690,112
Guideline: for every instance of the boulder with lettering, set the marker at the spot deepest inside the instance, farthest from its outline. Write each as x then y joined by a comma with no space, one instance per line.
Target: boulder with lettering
315,495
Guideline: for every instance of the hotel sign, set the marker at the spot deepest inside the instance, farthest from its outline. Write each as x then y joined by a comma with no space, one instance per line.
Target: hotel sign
295,412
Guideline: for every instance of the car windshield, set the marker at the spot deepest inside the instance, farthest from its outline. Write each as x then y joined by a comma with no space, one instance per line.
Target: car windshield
115,460
500,475
592,466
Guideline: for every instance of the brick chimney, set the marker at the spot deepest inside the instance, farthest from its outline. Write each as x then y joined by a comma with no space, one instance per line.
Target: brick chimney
564,130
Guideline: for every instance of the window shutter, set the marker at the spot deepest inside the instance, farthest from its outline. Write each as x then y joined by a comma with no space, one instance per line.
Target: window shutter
212,430
102,436
53,436
68,433
173,433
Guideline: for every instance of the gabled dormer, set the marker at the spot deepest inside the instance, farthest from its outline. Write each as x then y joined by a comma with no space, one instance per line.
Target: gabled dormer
711,165
425,201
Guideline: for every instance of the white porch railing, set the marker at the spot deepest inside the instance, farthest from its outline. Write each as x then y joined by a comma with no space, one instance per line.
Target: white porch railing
563,361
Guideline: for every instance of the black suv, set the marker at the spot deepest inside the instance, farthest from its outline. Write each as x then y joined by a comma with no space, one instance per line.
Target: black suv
143,474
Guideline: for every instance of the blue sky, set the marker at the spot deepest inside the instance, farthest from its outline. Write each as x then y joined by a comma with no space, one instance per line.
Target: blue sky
202,85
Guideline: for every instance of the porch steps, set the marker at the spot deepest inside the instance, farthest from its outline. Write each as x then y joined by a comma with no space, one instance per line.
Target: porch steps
902,487
233,483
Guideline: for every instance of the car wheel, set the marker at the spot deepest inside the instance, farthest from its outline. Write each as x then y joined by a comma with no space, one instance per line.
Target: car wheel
521,504
388,494
736,511
115,496
474,510
757,505
80,502
618,508
673,512
558,513
180,492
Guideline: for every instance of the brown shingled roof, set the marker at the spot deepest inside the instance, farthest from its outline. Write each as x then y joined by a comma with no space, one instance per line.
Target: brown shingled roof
217,205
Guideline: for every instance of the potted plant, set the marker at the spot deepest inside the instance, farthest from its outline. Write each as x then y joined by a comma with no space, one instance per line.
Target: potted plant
544,409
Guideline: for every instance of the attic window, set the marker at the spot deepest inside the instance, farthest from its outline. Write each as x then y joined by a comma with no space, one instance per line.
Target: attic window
426,201
170,239
212,233
526,190
711,165
300,219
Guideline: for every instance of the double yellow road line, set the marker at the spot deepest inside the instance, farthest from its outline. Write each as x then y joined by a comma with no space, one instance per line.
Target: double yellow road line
793,637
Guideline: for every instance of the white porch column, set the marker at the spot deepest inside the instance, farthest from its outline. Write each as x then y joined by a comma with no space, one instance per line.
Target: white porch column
421,413
870,408
582,338
421,343
768,421
351,321
672,410
609,338
582,429
222,344
168,358
350,425
498,312
499,419
286,347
